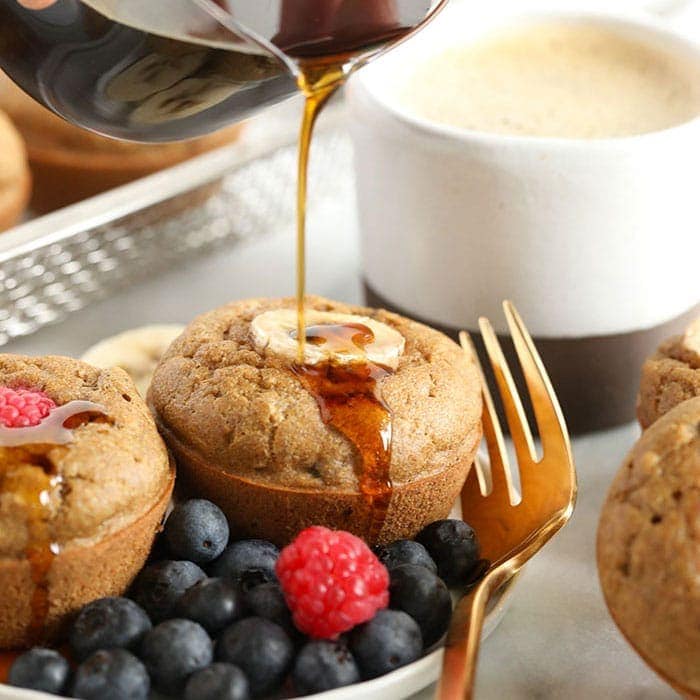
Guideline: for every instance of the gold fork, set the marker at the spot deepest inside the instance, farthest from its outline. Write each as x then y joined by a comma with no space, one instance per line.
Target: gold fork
511,528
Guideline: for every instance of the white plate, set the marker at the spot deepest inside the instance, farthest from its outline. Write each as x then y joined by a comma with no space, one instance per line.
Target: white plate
401,684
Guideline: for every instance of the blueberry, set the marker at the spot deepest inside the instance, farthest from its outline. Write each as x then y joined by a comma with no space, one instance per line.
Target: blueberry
111,674
108,623
261,649
172,651
323,665
389,640
218,682
247,563
405,552
267,600
214,602
425,597
40,669
454,547
196,530
159,586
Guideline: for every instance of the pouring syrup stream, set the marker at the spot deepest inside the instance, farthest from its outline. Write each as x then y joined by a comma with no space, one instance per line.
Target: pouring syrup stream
348,394
317,83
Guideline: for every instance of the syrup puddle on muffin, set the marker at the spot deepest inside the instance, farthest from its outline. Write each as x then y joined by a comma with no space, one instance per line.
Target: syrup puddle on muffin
345,358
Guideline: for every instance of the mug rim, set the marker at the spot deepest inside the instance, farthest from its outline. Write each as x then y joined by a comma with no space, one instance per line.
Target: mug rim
367,84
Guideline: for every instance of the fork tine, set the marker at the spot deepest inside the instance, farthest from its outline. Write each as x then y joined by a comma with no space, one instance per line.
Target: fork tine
515,414
550,420
493,433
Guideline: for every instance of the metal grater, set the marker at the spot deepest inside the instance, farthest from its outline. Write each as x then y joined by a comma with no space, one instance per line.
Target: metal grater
47,275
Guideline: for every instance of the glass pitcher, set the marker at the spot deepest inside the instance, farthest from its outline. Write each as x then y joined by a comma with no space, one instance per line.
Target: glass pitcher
163,70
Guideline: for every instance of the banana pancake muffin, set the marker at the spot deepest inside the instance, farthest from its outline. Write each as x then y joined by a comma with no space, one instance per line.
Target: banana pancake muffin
70,164
649,547
137,351
670,376
78,510
248,431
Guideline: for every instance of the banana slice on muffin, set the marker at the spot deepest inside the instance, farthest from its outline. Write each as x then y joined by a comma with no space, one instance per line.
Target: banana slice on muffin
649,547
249,434
77,520
275,333
670,376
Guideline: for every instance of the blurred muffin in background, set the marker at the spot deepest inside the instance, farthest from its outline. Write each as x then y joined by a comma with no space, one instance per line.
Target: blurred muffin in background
70,164
136,351
670,376
15,180
648,547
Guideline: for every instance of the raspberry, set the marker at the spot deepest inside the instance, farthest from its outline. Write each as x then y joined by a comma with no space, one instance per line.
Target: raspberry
22,408
332,581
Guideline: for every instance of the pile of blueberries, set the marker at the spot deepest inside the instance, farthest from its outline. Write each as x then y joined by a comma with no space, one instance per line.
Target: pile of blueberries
209,621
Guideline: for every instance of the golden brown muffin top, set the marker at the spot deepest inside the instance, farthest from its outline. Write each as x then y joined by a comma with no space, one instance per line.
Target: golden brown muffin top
247,413
43,130
13,156
670,376
115,469
649,545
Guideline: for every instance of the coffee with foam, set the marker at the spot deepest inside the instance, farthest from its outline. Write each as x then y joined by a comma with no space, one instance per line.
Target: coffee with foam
556,79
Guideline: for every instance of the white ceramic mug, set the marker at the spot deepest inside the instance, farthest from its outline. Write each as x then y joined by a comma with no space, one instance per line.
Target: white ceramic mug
596,241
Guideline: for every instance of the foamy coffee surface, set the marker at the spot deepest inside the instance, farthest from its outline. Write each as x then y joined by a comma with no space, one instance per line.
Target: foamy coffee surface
555,80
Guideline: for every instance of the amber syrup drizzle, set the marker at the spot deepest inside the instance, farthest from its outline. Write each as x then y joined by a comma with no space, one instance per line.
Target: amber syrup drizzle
33,484
347,394
349,398
317,81
34,480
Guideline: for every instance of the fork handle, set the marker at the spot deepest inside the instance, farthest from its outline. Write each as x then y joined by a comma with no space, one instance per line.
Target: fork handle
464,638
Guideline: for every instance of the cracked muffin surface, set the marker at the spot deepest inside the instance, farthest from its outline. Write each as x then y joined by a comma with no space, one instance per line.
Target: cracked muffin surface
247,413
670,376
649,546
112,473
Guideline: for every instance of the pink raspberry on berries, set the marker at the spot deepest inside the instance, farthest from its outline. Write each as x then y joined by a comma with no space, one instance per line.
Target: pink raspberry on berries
22,408
331,581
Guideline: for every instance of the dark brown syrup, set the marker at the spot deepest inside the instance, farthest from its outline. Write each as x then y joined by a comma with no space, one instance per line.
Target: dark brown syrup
119,79
349,398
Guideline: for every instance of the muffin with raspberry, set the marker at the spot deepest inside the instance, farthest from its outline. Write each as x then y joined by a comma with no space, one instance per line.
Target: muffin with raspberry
374,432
670,376
84,482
